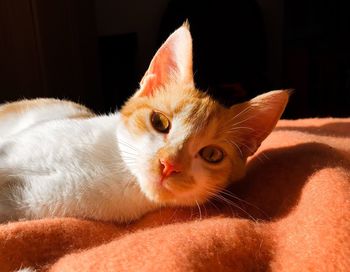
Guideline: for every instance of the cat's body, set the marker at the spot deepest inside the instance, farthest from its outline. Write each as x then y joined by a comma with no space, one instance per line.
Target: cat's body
66,167
169,145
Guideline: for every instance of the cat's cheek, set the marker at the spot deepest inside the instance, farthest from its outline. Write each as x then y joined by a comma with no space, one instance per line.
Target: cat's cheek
201,176
148,179
146,187
198,172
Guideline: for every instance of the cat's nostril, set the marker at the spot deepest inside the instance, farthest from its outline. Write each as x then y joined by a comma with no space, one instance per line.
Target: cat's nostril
168,168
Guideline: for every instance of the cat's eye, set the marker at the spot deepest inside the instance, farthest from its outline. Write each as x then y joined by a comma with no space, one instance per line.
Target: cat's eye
211,154
160,122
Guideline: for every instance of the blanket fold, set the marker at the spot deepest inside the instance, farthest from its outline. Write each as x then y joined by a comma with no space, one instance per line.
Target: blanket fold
290,213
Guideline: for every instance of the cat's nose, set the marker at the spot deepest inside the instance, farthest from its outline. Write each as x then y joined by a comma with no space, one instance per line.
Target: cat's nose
168,168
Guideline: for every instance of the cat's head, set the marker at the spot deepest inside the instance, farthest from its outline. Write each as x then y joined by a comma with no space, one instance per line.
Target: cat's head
182,145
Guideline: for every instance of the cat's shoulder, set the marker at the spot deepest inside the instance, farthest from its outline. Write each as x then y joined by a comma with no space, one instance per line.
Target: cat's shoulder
66,108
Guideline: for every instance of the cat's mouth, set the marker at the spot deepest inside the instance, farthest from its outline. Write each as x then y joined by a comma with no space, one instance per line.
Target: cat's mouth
171,190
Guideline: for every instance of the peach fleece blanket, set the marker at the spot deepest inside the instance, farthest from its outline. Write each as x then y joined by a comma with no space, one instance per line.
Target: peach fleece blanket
292,213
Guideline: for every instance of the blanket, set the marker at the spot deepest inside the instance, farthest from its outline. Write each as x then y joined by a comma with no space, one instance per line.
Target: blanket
290,213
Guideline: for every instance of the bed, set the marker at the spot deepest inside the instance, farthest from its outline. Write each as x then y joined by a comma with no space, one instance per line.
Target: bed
290,213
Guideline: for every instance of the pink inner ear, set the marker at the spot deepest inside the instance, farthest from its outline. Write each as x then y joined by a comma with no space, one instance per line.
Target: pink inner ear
172,62
159,71
257,118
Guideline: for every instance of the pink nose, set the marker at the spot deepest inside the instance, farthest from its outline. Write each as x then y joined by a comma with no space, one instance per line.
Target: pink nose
168,168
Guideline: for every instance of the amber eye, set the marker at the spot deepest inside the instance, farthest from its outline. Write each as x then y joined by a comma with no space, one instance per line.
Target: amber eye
160,122
211,154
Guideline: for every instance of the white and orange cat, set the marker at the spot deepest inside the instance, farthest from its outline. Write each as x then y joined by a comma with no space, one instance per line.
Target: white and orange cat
169,145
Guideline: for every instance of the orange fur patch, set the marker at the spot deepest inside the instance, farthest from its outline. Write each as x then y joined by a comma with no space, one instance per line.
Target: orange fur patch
170,100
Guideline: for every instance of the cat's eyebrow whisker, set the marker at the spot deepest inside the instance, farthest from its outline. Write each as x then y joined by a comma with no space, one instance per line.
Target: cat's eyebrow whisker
242,121
233,128
264,155
236,145
247,109
258,157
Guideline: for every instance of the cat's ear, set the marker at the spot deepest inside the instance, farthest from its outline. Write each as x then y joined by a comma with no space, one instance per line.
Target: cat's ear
254,120
171,64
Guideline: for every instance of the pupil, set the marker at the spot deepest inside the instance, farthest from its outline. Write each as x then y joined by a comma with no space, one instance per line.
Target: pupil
211,154
160,122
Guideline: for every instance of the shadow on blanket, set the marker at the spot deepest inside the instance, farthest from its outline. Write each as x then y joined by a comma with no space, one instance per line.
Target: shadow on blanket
290,213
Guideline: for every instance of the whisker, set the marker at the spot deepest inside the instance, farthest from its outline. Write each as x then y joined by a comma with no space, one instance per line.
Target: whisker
205,210
233,128
126,144
233,214
264,155
173,215
242,112
128,152
236,145
230,194
242,121
212,203
213,191
200,211
237,206
191,213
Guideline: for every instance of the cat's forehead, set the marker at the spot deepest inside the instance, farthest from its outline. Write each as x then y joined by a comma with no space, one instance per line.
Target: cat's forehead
188,104
194,115
189,110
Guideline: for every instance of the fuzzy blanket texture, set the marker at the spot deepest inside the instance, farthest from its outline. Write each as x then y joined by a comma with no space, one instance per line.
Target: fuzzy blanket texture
290,213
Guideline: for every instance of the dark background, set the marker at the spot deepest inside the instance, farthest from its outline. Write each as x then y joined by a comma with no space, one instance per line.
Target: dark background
95,52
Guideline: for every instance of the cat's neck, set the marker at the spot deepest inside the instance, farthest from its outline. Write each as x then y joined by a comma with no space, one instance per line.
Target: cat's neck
122,192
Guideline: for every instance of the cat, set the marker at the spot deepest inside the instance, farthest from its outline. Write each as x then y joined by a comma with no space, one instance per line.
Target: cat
170,144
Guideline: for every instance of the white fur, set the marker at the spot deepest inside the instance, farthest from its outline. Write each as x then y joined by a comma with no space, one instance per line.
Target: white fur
18,121
27,269
94,168
67,167
51,165
142,149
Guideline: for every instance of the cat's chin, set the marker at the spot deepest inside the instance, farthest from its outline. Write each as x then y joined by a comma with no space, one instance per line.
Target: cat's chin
167,196
172,200
159,194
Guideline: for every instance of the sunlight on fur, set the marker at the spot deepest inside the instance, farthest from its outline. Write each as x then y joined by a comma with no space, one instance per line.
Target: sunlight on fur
197,121
170,144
